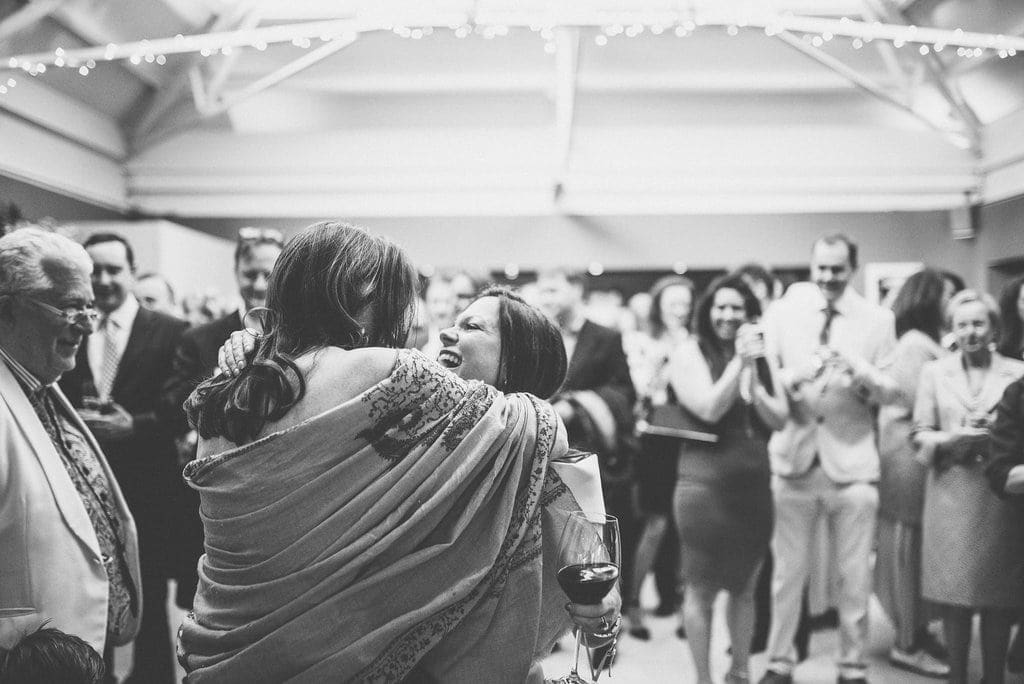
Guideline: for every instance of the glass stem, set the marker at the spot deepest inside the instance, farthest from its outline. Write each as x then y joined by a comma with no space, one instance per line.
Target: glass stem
576,660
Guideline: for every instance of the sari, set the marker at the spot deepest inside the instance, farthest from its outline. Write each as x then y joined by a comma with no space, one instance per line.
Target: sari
401,535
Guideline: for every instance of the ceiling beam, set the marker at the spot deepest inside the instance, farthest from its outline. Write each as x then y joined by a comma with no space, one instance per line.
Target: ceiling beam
192,12
61,115
215,105
935,70
888,52
27,16
867,85
215,84
88,30
164,99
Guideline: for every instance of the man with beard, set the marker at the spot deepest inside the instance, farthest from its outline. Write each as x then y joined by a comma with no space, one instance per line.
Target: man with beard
117,388
825,459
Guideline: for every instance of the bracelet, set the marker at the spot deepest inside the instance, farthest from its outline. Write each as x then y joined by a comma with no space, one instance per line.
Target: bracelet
609,630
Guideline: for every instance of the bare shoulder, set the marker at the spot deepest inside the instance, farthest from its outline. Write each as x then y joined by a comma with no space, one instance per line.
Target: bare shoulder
343,374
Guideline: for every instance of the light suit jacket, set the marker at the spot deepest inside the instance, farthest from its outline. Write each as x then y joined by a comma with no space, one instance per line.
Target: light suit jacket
50,562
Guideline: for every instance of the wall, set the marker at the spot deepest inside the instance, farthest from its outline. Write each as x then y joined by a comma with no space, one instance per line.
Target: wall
1000,239
36,203
194,262
656,241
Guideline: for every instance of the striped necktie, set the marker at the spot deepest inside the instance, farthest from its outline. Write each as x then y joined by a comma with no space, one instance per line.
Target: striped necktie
110,359
826,328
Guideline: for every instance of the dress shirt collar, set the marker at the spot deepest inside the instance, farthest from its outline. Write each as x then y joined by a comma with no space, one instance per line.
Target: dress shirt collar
124,316
844,305
575,324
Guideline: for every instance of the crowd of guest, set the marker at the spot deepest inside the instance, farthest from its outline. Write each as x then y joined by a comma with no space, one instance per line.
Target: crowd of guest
750,439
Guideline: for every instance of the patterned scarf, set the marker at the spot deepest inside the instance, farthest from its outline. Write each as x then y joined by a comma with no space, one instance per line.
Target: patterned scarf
402,529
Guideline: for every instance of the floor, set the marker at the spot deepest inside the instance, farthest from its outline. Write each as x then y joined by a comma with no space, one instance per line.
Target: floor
665,658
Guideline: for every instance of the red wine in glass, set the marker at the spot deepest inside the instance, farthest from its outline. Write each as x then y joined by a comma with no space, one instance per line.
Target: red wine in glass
588,583
588,553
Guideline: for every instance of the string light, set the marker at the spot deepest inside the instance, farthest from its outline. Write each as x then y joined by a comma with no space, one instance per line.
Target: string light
859,33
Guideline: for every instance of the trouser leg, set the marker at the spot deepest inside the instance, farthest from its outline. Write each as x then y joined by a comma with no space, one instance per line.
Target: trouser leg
852,513
797,507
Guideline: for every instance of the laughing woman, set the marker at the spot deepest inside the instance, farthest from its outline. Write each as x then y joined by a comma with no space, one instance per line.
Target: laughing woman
723,500
369,515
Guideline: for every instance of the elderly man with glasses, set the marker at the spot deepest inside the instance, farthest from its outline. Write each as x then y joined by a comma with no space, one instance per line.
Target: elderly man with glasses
68,548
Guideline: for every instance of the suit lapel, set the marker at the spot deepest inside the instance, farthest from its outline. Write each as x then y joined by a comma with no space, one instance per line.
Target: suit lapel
956,380
135,349
64,493
580,354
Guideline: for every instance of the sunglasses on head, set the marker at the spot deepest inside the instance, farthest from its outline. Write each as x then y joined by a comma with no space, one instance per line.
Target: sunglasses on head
250,234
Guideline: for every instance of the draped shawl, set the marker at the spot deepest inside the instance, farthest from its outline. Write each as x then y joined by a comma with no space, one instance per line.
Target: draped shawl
402,529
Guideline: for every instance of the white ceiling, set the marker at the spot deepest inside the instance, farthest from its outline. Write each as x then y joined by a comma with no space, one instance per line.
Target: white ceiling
529,122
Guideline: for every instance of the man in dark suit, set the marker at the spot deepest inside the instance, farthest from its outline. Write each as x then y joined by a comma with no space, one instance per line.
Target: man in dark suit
116,386
597,398
195,360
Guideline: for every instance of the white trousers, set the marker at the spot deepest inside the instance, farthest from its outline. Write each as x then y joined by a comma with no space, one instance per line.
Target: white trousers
849,512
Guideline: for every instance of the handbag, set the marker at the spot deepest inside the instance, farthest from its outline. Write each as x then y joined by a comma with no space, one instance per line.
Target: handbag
674,420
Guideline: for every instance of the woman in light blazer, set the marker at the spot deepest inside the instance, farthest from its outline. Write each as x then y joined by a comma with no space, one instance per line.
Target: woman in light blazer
973,550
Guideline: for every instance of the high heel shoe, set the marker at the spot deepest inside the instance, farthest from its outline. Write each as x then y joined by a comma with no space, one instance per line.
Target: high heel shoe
640,632
635,625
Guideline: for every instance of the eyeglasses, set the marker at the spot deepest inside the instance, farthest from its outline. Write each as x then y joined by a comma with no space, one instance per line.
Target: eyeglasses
250,234
71,314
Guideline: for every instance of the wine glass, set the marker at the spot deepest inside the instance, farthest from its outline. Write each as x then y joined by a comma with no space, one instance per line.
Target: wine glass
589,555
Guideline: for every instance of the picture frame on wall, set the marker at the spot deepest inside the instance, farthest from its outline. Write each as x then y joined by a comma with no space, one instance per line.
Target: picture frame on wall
883,279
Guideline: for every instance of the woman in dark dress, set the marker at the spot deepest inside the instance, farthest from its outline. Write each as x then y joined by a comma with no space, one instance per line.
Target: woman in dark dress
723,502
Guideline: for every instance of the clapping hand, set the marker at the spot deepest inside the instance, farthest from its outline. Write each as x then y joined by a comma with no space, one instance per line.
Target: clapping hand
750,344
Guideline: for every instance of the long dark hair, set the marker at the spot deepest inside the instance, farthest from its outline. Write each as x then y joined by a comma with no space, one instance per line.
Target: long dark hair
1012,341
333,285
918,305
710,345
657,290
532,351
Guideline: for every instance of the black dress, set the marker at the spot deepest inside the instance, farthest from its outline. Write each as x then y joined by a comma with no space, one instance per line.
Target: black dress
723,500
